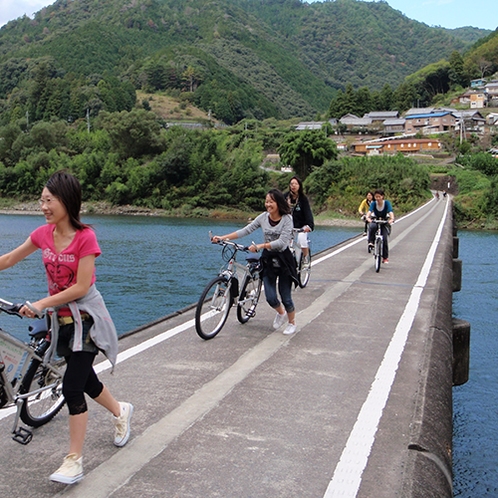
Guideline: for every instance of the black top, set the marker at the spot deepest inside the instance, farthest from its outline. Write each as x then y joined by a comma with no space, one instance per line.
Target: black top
301,212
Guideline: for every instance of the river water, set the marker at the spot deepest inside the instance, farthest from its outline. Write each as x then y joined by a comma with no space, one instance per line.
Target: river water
151,267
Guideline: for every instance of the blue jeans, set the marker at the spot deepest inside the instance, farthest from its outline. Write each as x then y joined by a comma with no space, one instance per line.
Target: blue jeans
284,289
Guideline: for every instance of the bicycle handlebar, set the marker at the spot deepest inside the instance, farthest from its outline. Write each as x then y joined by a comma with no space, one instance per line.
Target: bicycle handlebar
239,247
14,309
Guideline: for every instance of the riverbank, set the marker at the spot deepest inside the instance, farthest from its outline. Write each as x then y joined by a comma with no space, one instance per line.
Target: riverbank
103,208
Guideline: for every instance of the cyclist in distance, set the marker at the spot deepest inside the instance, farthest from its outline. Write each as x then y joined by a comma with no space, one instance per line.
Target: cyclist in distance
364,207
81,324
302,215
382,210
277,260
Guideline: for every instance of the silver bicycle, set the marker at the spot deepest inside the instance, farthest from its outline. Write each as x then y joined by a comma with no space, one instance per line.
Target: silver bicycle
235,282
303,264
27,381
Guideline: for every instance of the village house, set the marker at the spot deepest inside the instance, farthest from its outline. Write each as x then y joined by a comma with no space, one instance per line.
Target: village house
314,125
478,83
428,123
491,91
353,122
473,121
408,145
393,126
473,98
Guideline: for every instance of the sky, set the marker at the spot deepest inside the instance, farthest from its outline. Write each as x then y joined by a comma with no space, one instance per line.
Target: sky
444,13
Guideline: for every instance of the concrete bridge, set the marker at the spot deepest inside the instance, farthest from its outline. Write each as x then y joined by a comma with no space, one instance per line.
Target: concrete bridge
357,403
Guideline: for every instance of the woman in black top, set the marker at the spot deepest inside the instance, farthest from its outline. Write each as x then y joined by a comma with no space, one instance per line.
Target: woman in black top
301,213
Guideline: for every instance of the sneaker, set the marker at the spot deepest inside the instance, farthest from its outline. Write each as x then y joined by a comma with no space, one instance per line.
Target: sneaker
364,234
279,320
370,247
306,262
71,470
122,424
290,329
385,261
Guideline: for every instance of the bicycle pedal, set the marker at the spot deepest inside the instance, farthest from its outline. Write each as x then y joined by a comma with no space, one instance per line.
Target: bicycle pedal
22,435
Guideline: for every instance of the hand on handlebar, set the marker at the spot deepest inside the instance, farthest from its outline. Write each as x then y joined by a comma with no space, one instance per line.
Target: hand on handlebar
29,311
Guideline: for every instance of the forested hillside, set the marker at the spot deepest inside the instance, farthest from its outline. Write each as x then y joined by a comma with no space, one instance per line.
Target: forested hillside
235,58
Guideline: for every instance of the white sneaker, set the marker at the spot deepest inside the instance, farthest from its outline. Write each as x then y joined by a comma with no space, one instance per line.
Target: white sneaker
122,424
279,320
290,329
71,470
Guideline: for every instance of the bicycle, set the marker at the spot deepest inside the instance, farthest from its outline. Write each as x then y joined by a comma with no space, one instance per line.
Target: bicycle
378,244
221,292
27,381
303,266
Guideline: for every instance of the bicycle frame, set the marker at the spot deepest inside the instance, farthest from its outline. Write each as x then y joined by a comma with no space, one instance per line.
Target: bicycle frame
378,244
19,362
297,251
231,284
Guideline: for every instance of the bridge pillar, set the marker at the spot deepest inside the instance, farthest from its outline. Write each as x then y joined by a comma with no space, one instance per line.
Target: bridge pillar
461,351
457,275
456,247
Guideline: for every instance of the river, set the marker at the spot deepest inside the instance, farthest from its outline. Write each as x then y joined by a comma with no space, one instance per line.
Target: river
151,267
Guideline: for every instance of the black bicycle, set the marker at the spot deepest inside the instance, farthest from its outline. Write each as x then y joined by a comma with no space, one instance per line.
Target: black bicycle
223,290
378,246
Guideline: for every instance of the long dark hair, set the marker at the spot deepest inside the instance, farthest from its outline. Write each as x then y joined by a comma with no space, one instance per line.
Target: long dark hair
300,192
67,189
282,204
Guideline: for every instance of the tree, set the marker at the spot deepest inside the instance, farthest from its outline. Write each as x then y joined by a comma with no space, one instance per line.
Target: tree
134,133
456,72
305,150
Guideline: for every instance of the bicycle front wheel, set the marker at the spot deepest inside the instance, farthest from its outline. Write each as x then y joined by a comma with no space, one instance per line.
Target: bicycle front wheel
378,254
304,270
41,407
248,299
213,308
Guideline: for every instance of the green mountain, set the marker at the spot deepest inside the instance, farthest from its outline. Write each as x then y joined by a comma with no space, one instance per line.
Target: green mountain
237,58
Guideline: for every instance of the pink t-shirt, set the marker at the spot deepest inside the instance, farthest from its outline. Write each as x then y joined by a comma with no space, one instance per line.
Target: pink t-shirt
62,268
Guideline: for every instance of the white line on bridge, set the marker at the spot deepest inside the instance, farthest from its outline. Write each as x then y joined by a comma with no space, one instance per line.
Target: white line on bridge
347,476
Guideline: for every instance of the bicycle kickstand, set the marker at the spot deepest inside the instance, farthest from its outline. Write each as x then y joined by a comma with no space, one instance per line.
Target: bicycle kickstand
20,434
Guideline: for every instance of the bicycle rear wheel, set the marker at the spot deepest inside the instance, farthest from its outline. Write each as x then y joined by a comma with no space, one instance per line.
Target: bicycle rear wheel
213,308
304,270
248,298
40,408
378,254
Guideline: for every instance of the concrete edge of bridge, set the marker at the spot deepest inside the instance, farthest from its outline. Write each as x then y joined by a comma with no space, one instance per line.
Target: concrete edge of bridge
429,459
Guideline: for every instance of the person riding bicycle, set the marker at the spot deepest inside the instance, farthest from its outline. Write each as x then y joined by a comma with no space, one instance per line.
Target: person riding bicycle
277,260
381,209
302,216
81,324
364,207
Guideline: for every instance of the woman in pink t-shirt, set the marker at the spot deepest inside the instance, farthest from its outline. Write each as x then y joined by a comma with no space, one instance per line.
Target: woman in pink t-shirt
69,248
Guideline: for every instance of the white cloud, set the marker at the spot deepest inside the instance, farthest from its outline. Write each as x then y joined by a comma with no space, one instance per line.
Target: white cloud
12,9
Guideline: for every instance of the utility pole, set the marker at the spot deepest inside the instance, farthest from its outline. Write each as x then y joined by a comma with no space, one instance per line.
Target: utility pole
88,119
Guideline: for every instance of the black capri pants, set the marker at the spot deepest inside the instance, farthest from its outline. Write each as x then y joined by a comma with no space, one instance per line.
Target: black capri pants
80,377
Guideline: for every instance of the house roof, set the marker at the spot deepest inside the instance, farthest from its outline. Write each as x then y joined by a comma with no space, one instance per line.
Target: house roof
309,125
355,121
419,110
429,115
394,121
382,114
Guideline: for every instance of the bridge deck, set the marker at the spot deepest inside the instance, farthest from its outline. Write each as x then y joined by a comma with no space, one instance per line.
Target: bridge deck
329,411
